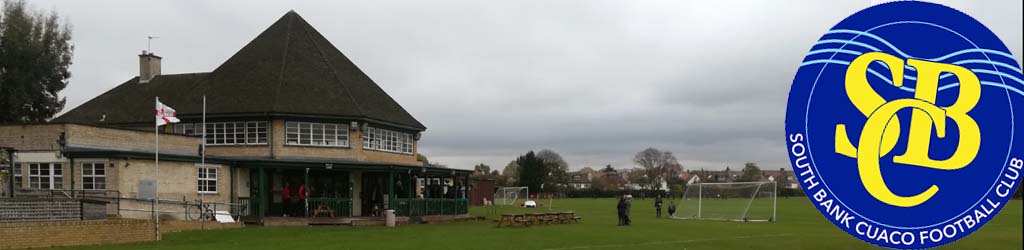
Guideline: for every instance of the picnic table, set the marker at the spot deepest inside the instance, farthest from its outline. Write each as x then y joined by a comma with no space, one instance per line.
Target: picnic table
529,219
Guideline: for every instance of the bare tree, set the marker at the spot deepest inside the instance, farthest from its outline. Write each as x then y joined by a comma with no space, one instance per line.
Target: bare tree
658,165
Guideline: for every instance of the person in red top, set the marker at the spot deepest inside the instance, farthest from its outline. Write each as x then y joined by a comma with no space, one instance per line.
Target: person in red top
301,198
286,197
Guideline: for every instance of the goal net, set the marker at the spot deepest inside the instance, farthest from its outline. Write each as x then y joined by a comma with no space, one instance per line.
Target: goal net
732,201
510,195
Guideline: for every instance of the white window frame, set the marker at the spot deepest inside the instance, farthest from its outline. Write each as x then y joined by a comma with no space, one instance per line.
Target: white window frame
93,176
52,180
316,134
228,133
203,178
18,181
379,139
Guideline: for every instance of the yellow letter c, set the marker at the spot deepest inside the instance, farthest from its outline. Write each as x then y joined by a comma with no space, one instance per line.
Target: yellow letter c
870,147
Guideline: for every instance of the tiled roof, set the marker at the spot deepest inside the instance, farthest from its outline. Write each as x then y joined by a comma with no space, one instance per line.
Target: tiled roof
289,69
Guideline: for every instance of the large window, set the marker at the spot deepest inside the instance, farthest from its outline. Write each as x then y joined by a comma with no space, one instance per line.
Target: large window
94,176
45,176
227,133
316,134
207,179
387,140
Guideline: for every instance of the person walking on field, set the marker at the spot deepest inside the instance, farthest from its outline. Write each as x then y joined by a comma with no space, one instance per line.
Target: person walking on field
672,209
621,207
657,205
629,205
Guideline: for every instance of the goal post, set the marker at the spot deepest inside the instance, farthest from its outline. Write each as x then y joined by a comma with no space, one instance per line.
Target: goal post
730,201
509,195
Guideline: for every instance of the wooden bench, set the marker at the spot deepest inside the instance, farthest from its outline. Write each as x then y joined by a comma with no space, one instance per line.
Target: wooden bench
538,218
535,218
322,208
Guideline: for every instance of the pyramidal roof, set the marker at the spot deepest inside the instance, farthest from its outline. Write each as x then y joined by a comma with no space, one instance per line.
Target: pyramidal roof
289,69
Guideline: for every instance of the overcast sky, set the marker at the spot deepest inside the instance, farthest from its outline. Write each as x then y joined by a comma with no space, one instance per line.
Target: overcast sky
596,81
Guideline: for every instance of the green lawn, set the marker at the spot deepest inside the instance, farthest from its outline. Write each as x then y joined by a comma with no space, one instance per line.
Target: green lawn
799,227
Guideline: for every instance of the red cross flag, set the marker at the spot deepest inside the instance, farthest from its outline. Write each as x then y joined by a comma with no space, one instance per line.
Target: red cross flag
165,114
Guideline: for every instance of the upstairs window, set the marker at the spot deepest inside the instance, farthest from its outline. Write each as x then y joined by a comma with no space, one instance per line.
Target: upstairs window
316,134
227,133
387,140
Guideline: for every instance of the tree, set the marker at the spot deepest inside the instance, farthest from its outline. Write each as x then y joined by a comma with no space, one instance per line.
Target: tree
608,169
658,165
35,54
423,159
531,171
481,170
750,172
509,175
556,170
638,177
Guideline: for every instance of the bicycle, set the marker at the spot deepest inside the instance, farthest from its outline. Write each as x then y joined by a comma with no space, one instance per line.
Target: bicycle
199,211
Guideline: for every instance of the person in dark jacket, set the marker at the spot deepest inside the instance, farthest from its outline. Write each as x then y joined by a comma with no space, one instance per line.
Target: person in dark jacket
657,205
629,205
622,210
672,209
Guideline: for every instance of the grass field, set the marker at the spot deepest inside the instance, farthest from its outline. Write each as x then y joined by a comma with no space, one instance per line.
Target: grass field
799,227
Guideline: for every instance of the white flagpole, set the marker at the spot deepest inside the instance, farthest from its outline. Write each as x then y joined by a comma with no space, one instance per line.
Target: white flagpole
202,157
156,181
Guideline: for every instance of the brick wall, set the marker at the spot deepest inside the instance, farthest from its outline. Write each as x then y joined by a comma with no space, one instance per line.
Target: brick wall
30,137
178,181
78,233
131,139
181,226
73,233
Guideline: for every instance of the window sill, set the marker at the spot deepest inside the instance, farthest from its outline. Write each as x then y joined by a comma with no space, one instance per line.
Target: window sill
385,151
238,145
207,192
317,146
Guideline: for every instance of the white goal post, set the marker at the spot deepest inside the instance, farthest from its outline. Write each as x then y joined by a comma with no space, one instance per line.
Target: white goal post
731,201
509,195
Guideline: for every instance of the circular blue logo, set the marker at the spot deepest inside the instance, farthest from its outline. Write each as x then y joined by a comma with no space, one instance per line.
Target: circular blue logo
901,125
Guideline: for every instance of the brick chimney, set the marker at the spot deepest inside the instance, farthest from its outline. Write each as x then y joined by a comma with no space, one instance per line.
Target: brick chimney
149,66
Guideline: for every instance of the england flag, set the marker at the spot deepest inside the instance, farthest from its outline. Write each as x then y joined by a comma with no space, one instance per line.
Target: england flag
165,114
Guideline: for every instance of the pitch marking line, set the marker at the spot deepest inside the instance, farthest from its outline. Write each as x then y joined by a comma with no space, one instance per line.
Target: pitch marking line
669,242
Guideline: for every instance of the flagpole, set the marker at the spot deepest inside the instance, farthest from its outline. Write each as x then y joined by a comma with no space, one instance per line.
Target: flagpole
202,157
156,181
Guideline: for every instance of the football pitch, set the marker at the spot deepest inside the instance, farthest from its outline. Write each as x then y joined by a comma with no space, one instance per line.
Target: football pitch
799,227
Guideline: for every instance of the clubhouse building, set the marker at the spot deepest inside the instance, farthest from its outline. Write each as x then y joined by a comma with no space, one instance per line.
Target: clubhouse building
287,112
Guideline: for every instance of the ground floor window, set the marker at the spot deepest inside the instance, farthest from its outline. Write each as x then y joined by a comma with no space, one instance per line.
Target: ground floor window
208,179
17,176
94,176
45,176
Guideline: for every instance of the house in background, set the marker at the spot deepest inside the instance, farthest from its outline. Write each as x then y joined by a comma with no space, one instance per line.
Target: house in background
287,110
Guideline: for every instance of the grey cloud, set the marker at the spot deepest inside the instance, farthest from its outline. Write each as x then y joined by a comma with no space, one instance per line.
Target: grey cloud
596,81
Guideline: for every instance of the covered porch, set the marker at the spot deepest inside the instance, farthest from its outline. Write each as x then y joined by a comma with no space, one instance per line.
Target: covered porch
332,191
